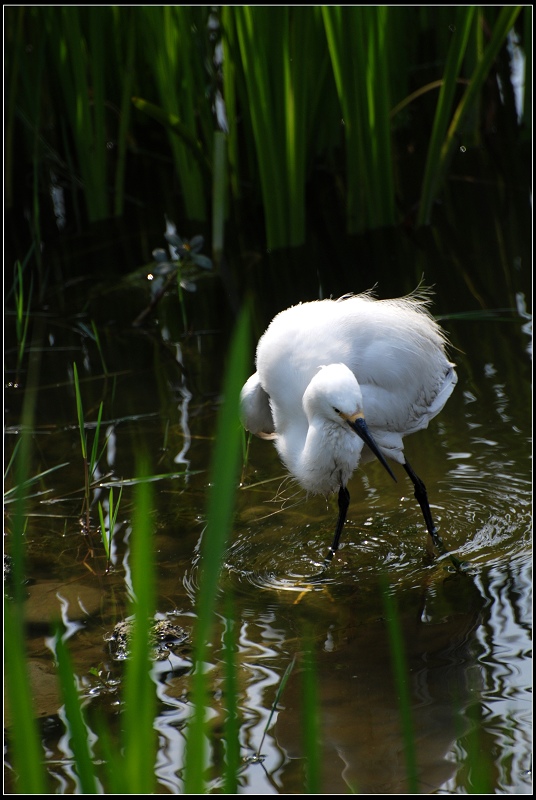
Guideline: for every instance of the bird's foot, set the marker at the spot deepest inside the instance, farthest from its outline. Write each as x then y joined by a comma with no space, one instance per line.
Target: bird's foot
435,546
320,576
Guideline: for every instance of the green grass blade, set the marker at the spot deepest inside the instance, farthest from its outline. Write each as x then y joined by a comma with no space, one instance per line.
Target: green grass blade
96,69
104,535
175,124
219,193
80,413
99,346
221,500
26,752
479,764
232,726
139,691
261,63
504,24
77,728
401,679
460,38
93,459
124,110
358,45
11,494
11,81
176,61
13,456
25,745
443,144
22,314
310,723
113,512
280,690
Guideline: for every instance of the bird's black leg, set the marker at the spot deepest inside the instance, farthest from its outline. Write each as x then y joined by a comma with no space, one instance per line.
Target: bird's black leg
422,498
344,502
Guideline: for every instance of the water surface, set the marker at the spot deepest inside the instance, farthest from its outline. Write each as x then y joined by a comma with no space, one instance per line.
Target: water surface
466,637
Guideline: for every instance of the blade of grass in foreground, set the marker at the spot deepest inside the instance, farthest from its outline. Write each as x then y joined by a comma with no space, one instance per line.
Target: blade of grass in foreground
140,697
221,500
400,673
231,735
78,732
26,752
286,675
310,722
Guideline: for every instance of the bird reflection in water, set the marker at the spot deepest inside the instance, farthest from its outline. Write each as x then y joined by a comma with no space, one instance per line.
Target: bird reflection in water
360,731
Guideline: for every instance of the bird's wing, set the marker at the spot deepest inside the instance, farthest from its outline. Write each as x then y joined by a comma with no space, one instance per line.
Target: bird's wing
255,409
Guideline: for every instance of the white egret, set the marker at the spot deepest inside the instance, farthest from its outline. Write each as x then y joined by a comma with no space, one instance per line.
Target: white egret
330,369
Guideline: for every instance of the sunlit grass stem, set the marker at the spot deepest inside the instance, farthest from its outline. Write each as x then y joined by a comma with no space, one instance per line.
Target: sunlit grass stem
310,722
278,695
113,511
401,678
232,723
444,138
221,499
333,78
77,728
139,691
90,459
25,745
22,313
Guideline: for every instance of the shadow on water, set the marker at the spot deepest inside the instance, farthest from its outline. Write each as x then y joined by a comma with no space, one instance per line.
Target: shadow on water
360,723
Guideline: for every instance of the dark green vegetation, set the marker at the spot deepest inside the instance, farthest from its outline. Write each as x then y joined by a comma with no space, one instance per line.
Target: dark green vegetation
360,109
358,145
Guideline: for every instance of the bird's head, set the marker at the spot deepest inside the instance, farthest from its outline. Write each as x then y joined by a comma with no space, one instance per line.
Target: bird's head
334,395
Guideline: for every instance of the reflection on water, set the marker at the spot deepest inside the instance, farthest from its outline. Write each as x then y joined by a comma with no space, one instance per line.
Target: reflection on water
360,723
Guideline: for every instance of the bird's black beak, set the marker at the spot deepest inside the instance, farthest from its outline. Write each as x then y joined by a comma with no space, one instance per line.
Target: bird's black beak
360,427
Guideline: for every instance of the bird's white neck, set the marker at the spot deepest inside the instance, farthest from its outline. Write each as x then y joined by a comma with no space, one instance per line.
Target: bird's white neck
321,455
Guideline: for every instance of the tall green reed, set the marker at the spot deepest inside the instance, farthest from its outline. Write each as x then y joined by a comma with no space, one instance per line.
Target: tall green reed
401,679
90,458
232,723
173,43
27,755
358,44
127,58
22,313
77,56
310,715
280,88
323,100
25,744
139,742
77,726
113,511
220,507
447,124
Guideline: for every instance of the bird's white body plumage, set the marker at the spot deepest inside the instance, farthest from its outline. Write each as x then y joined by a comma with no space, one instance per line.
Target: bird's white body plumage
320,362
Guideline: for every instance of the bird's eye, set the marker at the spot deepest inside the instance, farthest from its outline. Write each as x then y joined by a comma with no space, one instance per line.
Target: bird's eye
336,410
